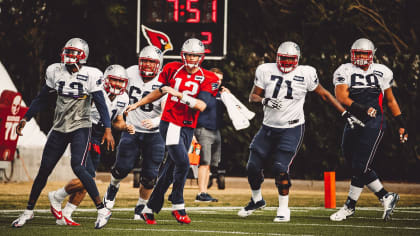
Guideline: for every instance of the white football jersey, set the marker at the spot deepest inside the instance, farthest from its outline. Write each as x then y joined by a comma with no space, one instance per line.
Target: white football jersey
115,107
73,106
137,89
290,88
377,75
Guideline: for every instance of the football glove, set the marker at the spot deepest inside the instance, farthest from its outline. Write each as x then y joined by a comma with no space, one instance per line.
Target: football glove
351,120
272,103
361,110
402,123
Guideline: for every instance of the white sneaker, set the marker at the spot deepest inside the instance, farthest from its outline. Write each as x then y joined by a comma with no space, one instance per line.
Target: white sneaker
251,207
21,220
389,202
137,212
342,214
283,215
103,216
55,206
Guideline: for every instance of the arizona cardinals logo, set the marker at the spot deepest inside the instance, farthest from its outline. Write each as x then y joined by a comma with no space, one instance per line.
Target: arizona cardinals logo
157,39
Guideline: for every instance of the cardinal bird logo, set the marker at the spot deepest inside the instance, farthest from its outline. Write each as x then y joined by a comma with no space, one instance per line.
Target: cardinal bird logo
157,39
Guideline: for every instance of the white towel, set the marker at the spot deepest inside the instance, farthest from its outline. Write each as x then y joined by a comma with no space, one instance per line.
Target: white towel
243,109
172,136
239,120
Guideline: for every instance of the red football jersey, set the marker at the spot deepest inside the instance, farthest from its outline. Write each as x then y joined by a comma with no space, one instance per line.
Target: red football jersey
11,112
175,75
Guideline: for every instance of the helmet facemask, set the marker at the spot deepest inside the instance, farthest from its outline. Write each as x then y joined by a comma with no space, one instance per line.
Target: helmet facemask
362,52
361,58
288,55
287,63
71,55
193,47
116,79
115,85
192,63
148,67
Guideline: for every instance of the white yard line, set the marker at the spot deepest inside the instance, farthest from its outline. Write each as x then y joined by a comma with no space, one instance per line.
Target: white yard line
211,208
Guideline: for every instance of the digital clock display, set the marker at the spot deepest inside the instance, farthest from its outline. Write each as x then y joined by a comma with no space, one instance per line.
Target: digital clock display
168,23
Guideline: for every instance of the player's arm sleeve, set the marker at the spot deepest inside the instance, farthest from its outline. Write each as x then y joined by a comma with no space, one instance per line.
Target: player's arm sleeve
313,81
99,100
206,97
340,76
259,75
163,76
388,78
40,102
95,84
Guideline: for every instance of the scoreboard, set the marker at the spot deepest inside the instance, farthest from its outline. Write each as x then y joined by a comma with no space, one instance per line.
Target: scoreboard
167,24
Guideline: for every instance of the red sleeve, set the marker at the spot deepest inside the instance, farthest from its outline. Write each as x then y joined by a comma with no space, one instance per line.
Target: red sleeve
210,83
163,76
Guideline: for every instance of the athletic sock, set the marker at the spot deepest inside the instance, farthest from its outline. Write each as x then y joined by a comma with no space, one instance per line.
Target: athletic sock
147,210
256,195
377,188
115,182
283,201
141,201
354,194
68,209
60,194
178,206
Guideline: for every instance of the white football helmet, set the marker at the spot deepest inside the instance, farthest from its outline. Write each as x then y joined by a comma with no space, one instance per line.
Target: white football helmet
147,54
286,51
116,79
76,51
360,47
195,47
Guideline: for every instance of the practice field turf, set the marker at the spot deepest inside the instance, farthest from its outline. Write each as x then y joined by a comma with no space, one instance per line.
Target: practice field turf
224,221
309,217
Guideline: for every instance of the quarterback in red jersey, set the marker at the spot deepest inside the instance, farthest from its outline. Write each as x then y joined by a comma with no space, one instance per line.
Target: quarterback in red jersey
189,88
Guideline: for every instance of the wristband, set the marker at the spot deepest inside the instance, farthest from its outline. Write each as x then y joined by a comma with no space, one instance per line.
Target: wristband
357,108
190,101
401,121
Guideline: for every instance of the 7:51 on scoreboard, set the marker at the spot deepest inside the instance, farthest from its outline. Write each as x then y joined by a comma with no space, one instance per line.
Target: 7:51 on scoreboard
166,24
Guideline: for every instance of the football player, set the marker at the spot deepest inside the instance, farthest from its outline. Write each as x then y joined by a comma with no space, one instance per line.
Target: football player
281,88
143,79
76,85
189,87
114,87
362,86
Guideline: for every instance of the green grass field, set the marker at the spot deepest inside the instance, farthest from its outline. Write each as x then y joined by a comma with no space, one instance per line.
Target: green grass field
224,221
308,216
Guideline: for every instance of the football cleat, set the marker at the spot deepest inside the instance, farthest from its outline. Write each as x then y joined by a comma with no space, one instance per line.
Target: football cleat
109,198
181,216
21,220
251,207
55,206
283,215
67,221
205,197
149,218
137,211
103,216
389,201
342,214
